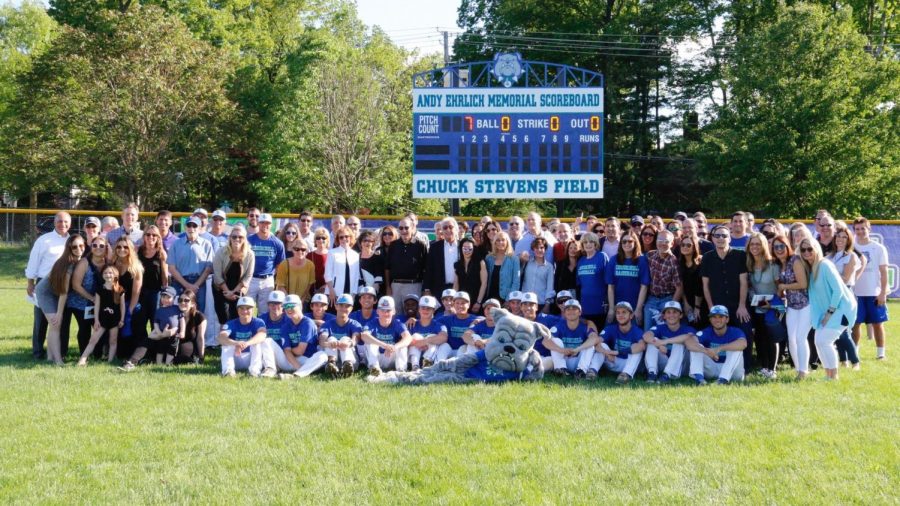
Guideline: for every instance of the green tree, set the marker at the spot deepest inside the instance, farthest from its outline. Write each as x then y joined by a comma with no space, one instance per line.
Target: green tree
812,121
138,112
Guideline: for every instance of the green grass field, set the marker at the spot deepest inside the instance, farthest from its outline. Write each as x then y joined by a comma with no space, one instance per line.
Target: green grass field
177,435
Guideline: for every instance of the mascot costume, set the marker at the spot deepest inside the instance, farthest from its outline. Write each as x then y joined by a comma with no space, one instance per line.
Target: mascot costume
508,356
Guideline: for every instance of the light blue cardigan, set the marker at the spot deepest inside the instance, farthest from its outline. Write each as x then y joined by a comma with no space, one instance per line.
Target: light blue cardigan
828,290
509,274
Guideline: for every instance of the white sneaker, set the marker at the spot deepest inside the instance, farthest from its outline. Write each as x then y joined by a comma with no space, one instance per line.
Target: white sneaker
268,372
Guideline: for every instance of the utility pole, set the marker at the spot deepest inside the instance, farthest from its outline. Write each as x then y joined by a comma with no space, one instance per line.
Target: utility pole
454,203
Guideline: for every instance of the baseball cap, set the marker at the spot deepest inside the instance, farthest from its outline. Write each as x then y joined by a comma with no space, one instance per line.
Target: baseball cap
386,303
170,291
411,296
718,310
194,220
218,213
564,294
201,211
92,221
672,304
572,303
448,293
265,218
462,295
529,297
344,300
681,216
626,305
319,298
276,296
367,290
428,301
246,301
292,300
637,220
515,295
491,302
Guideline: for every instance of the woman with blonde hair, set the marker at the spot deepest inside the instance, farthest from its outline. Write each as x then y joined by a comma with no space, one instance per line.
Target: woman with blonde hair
318,256
832,304
850,265
763,273
501,269
342,265
590,282
793,283
131,278
232,271
296,274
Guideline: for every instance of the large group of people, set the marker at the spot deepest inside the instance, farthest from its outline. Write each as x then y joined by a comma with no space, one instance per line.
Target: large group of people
638,297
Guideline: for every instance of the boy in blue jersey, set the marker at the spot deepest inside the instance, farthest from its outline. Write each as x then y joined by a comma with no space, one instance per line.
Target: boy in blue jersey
665,345
365,316
273,319
718,350
457,324
427,334
386,340
447,298
480,331
338,338
241,339
299,351
622,345
513,302
572,343
318,310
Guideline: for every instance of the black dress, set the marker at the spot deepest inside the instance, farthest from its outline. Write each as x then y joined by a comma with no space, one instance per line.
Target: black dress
469,277
109,312
563,278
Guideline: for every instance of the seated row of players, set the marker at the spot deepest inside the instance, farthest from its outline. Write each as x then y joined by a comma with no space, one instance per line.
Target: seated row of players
297,344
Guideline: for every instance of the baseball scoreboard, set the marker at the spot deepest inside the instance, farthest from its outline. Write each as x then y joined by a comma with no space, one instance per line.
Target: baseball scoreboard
508,142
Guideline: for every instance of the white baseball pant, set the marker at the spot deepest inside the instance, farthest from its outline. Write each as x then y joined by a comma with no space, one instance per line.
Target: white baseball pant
274,354
627,365
398,360
259,290
347,355
581,362
673,364
250,360
732,369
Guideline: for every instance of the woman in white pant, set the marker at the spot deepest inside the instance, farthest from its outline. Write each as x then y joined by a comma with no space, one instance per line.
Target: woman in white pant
832,304
792,285
297,351
241,340
386,340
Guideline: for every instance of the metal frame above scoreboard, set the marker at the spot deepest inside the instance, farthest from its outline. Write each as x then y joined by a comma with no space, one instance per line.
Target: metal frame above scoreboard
508,128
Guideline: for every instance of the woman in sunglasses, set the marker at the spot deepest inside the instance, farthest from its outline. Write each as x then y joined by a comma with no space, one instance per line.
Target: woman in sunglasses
287,234
85,280
131,278
792,287
318,256
296,275
232,270
342,265
51,294
371,262
153,258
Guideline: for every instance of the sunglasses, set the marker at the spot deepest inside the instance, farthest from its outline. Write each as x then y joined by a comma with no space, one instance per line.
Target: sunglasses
806,250
300,249
387,234
77,246
647,234
191,225
687,245
628,241
402,228
342,237
183,300
119,248
150,235
720,236
320,238
98,246
290,232
779,247
236,237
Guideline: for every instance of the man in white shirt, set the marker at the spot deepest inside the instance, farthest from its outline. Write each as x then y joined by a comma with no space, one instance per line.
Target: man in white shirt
871,288
515,229
533,231
610,241
47,249
306,230
131,227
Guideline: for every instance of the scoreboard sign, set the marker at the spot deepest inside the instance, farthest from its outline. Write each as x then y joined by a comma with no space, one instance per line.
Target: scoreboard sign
508,142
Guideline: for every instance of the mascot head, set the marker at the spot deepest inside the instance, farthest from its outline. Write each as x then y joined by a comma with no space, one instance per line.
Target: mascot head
511,341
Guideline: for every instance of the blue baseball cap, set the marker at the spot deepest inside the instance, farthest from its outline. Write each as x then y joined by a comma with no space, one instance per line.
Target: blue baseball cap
718,310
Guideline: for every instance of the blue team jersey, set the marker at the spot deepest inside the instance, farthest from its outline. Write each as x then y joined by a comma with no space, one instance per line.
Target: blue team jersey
620,341
168,316
435,327
358,316
456,327
269,253
240,332
482,330
331,328
549,321
303,331
710,339
392,334
627,278
589,276
273,329
571,338
486,373
739,243
664,332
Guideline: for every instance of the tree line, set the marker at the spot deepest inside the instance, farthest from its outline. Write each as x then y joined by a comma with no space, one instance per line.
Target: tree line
776,107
